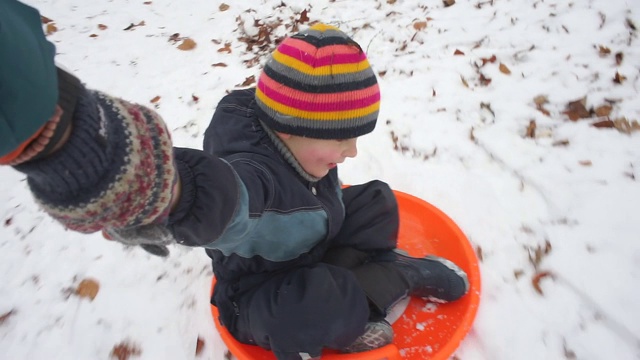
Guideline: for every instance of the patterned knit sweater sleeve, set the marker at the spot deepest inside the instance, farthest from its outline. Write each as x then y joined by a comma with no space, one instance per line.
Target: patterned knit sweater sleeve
117,171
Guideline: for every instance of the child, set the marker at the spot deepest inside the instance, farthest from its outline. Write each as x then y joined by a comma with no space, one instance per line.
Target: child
301,264
304,264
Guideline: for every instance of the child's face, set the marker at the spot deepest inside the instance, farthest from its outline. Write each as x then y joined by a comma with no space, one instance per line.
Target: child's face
317,156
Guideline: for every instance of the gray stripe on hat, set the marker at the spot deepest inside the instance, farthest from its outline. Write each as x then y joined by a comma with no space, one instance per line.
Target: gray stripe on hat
324,34
319,80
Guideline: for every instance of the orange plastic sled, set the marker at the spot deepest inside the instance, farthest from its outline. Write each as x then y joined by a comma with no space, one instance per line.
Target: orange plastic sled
425,330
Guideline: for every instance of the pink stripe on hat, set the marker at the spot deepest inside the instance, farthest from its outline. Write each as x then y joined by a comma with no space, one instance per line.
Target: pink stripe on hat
308,102
271,85
328,55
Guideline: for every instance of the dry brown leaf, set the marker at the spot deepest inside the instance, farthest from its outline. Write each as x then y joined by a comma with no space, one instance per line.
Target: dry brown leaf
531,130
155,99
540,100
249,81
419,25
537,278
464,82
492,59
88,288
51,28
619,58
504,69
448,3
124,351
382,73
219,65
484,81
4,317
93,35
391,2
562,142
195,98
8,221
133,26
458,52
147,2
626,126
303,17
585,162
199,346
187,44
102,27
602,111
619,79
479,253
576,110
223,7
45,20
603,50
604,124
543,110
226,48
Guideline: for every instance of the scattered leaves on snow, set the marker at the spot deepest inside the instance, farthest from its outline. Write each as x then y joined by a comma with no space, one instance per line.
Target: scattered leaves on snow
538,253
133,26
448,3
223,7
125,350
226,48
619,79
4,317
537,278
419,25
51,28
531,130
577,109
248,81
220,64
155,99
199,346
504,69
88,288
187,44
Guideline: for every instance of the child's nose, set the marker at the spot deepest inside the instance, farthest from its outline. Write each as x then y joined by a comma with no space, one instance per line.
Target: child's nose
351,148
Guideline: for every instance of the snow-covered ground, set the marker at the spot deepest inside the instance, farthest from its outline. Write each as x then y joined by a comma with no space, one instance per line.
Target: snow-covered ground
475,120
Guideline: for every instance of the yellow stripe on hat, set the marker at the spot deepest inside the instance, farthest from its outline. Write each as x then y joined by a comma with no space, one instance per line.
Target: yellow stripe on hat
321,70
317,115
323,27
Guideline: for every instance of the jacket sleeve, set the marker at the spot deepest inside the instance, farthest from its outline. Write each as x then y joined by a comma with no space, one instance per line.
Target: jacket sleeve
28,91
210,196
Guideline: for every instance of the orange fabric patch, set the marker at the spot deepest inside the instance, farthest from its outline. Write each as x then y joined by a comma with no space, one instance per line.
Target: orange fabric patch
15,153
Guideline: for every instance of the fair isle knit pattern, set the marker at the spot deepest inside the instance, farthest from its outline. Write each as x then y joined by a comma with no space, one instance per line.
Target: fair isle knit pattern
116,170
319,84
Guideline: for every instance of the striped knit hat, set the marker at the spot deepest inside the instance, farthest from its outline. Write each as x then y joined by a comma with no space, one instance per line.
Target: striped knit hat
319,84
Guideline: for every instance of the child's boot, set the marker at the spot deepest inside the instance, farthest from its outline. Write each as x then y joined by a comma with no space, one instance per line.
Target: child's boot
376,335
432,277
